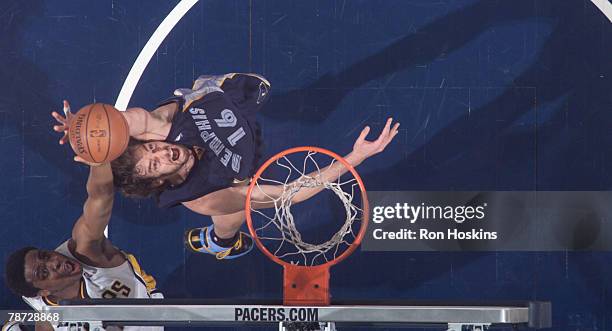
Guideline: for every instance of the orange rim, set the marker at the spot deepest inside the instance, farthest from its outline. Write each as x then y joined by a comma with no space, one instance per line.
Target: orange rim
365,204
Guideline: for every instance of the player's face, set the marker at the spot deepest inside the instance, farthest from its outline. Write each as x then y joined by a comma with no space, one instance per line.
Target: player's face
159,159
51,271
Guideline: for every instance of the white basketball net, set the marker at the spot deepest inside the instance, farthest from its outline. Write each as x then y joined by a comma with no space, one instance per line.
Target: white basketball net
286,239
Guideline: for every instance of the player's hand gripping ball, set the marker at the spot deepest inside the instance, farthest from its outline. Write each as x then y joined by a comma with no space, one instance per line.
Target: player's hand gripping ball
98,133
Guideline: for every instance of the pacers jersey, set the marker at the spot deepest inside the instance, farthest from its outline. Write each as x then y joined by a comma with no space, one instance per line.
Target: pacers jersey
124,281
218,117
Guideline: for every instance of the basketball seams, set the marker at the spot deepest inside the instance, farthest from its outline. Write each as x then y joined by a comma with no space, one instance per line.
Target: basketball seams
109,141
86,132
92,108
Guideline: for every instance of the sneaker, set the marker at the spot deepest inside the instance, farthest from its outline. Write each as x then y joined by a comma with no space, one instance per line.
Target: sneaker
200,241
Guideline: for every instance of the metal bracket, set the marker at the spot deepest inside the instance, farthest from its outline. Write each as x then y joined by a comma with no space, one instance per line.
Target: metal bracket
468,327
307,326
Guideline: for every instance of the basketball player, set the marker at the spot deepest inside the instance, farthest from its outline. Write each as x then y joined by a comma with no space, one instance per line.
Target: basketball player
200,149
85,266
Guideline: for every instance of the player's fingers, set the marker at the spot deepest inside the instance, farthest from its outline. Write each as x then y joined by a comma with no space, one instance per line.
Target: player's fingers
58,117
63,139
80,159
364,133
91,164
395,130
393,135
66,108
388,124
384,135
59,128
385,132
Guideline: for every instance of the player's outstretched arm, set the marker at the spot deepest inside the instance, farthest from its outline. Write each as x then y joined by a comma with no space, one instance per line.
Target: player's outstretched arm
89,229
232,199
143,125
362,150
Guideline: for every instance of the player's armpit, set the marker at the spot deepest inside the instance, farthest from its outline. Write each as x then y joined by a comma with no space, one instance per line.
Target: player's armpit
146,125
91,244
166,112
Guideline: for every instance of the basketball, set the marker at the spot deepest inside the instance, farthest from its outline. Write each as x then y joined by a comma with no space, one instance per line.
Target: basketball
98,133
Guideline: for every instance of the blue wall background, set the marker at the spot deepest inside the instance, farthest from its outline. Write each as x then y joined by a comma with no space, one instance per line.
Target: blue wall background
492,95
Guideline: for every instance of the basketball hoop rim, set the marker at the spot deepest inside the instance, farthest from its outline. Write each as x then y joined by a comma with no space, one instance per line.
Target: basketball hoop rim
364,197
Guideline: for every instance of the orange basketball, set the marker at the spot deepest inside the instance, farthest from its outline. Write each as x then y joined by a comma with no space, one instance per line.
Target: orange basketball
98,133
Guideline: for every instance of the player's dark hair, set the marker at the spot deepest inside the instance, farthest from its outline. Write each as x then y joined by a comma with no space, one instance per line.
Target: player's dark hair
126,179
15,274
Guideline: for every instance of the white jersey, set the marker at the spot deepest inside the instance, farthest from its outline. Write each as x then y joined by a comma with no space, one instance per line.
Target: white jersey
124,281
